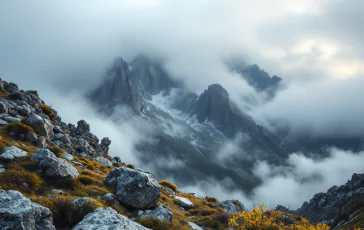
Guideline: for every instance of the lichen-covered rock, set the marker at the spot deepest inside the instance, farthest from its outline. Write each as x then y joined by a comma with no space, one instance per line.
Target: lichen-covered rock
41,125
20,213
134,188
161,212
67,156
184,202
53,166
12,153
103,161
231,206
107,219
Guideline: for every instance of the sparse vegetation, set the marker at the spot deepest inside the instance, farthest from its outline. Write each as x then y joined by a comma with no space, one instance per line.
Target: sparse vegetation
156,224
88,180
47,110
18,128
211,199
56,150
168,184
24,181
266,219
131,166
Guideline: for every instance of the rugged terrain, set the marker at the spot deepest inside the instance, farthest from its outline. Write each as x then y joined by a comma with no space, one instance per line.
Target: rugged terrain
55,175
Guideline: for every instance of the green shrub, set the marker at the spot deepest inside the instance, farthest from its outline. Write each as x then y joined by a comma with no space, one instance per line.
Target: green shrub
168,184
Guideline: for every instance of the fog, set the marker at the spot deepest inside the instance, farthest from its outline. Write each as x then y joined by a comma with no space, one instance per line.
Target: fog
62,49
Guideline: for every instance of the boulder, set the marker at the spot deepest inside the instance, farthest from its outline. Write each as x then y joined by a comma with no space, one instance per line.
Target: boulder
16,95
19,212
106,141
53,166
83,127
32,137
12,153
41,142
161,212
184,202
194,226
67,156
3,108
105,219
231,206
41,125
134,188
103,161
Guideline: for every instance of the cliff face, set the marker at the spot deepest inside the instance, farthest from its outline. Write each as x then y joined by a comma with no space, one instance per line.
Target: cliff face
337,204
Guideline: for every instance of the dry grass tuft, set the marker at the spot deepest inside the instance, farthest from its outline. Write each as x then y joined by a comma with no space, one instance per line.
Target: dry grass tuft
47,110
168,184
24,181
18,128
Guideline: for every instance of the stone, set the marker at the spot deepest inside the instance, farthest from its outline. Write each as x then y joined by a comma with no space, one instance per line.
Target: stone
184,202
53,166
16,95
107,219
194,226
83,127
19,212
103,161
2,169
81,201
161,212
12,153
232,206
67,156
57,191
3,108
31,137
42,126
134,188
57,129
106,141
41,142
2,122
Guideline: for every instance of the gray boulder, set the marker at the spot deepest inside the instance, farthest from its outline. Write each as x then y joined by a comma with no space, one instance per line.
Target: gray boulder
32,137
184,202
194,226
12,153
3,108
161,212
107,219
231,206
67,156
106,141
41,142
83,127
20,213
42,126
53,166
134,188
103,161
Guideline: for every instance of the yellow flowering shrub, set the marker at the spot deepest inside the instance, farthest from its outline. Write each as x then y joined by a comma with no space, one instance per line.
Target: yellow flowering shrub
266,219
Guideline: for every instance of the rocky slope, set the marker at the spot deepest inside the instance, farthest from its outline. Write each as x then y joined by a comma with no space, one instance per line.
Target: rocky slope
55,175
340,206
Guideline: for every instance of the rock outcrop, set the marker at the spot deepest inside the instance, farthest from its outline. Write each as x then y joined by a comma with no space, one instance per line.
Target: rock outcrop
42,126
12,153
53,166
232,206
337,201
161,212
134,188
19,212
105,219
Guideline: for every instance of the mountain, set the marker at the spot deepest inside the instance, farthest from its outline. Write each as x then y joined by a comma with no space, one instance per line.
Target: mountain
208,121
55,175
340,206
